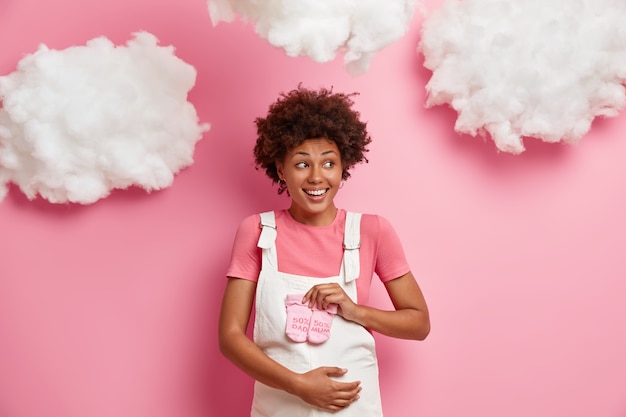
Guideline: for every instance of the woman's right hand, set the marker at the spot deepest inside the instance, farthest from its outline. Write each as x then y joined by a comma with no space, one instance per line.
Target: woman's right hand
317,388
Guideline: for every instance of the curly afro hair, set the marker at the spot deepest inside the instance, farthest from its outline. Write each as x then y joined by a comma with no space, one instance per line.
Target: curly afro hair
305,114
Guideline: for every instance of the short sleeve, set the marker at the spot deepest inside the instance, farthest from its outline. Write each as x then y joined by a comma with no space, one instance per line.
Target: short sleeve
391,260
245,258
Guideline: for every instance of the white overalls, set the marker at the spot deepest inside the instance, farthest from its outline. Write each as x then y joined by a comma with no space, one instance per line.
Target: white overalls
349,346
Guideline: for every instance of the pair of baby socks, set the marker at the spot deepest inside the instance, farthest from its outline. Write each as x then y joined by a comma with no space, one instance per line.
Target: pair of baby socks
305,323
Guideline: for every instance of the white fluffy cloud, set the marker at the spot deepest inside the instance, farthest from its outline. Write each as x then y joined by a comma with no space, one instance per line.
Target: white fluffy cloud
79,122
533,68
321,28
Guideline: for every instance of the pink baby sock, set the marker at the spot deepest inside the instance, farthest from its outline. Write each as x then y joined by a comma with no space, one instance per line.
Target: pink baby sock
298,318
321,320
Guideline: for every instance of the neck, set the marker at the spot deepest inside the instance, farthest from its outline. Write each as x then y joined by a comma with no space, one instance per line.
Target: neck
314,219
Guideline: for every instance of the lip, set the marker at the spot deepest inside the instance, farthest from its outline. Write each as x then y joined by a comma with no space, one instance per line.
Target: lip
316,197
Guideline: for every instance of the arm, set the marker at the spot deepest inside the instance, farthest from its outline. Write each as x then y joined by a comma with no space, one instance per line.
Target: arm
315,387
409,320
235,344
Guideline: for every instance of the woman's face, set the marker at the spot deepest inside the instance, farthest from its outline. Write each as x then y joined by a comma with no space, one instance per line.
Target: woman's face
313,173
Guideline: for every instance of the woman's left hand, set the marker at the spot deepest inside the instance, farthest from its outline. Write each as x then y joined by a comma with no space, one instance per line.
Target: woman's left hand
324,294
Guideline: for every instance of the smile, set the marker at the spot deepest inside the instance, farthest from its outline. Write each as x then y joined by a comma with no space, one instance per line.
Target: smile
316,193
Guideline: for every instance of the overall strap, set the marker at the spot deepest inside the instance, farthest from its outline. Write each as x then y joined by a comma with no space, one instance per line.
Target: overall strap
267,241
351,265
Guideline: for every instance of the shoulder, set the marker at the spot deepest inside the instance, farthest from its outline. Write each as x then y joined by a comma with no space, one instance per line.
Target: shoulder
374,223
249,227
250,222
378,230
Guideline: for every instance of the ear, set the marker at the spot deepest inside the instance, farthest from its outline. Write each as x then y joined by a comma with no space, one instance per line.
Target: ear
280,170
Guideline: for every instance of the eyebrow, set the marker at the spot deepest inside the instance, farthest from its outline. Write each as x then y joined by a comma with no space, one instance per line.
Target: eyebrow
307,154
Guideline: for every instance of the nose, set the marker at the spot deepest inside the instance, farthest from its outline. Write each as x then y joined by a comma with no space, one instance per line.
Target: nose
315,174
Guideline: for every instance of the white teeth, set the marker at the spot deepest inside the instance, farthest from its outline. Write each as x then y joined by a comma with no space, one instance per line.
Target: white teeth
316,192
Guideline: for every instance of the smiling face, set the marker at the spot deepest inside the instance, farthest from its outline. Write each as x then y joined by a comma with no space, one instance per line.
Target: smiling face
313,174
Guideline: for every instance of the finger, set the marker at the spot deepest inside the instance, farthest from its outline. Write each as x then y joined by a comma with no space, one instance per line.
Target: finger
334,371
334,408
328,296
331,299
345,401
311,295
317,300
349,393
351,388
347,389
342,403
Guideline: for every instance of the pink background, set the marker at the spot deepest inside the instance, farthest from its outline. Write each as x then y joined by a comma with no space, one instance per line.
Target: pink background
110,309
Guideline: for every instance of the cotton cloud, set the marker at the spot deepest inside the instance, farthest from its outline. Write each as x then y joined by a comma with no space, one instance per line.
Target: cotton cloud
321,28
79,122
534,68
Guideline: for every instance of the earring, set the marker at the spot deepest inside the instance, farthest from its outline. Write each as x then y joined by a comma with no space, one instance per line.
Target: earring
342,184
282,186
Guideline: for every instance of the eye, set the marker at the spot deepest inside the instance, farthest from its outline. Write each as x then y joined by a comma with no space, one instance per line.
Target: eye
329,164
301,165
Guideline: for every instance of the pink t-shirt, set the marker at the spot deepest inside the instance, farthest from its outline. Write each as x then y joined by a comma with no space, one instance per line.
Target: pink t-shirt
317,251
